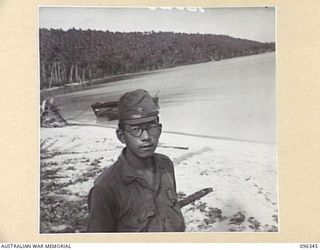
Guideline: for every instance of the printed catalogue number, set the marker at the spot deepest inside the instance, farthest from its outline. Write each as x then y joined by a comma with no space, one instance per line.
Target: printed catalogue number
308,246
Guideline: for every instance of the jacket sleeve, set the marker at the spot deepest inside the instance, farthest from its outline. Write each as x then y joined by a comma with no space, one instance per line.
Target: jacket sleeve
101,216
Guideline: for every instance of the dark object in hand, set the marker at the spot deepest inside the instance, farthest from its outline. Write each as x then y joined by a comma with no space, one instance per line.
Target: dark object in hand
195,196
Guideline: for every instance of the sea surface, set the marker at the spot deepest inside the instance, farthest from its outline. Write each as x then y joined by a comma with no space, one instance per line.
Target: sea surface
229,99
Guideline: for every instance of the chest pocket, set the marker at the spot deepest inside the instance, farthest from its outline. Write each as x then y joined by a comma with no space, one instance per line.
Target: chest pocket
171,216
137,222
167,204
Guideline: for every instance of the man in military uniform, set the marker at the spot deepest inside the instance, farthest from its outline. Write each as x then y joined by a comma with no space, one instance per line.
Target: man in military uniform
138,192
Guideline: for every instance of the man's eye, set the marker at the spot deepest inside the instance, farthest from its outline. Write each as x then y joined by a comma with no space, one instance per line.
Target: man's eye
136,129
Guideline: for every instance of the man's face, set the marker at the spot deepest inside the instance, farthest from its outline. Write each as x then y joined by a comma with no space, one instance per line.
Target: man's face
142,139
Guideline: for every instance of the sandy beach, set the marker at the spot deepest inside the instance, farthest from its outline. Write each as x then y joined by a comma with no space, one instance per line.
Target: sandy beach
243,176
218,128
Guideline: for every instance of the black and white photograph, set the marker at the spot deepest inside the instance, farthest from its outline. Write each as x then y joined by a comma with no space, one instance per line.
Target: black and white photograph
157,119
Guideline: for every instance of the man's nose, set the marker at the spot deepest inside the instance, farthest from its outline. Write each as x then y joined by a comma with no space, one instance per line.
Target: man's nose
145,135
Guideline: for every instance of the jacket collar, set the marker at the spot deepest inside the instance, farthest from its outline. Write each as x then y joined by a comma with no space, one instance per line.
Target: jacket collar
127,172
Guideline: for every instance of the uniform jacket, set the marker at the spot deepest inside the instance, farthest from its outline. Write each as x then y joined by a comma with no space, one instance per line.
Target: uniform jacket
122,201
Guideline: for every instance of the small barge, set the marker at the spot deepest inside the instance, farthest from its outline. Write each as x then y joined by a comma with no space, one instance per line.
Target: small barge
109,110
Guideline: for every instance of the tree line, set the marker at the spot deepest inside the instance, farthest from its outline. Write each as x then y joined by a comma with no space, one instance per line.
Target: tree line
82,55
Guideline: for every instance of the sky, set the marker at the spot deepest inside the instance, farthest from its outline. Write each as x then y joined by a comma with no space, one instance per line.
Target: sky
256,23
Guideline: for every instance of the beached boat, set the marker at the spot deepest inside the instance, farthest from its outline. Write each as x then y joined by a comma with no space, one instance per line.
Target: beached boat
109,110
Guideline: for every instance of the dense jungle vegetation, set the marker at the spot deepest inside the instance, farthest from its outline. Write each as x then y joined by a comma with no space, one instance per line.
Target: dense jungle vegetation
82,55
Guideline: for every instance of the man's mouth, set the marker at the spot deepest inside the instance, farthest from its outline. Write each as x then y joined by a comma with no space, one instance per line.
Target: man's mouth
146,146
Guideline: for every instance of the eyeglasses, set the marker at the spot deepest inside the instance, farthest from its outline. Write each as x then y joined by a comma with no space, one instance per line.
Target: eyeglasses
136,131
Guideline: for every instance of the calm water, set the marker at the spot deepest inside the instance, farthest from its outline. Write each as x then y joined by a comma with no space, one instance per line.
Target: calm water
232,98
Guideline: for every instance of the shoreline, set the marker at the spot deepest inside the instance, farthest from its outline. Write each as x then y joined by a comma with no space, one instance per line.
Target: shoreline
75,87
182,133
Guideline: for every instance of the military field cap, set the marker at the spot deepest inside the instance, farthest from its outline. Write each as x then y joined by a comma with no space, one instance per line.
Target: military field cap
137,107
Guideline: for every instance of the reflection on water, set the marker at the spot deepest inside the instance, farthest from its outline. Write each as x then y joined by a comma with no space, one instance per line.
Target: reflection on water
232,98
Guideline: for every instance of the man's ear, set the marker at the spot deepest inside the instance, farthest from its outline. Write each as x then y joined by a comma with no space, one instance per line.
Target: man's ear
160,128
120,135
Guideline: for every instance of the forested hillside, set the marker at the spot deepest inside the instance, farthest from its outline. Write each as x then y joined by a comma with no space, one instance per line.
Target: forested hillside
81,55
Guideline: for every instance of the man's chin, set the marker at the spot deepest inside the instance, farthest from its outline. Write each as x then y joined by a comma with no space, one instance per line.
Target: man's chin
146,155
